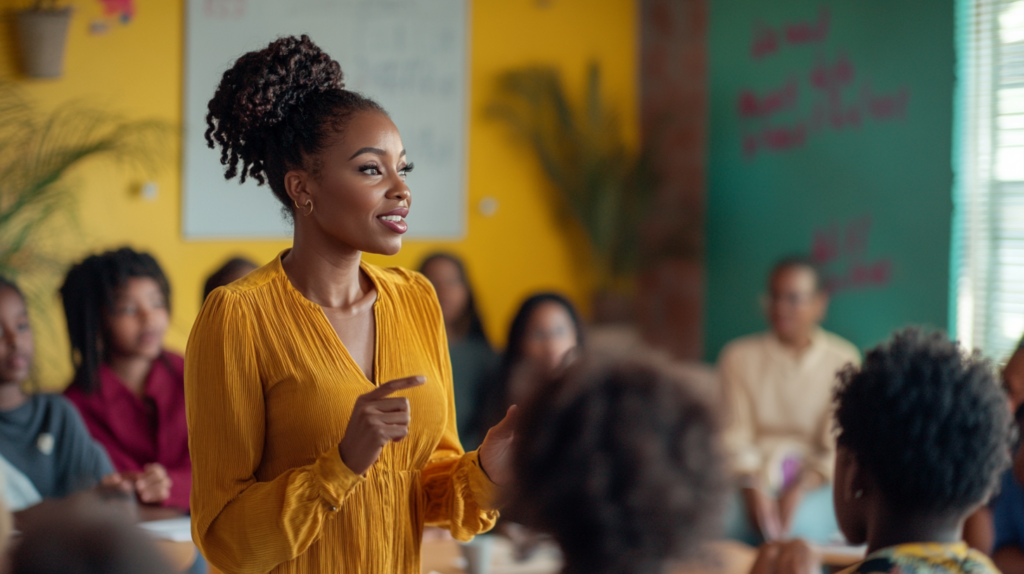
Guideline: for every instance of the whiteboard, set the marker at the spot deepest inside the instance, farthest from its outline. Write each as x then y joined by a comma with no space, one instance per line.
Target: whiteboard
408,55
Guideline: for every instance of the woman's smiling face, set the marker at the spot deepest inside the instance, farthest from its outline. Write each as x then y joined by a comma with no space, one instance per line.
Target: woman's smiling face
356,186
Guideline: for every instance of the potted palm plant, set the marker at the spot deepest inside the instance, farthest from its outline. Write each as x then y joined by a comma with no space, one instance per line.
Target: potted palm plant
42,35
39,152
602,185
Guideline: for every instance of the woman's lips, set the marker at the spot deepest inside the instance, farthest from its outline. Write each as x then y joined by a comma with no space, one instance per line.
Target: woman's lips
395,223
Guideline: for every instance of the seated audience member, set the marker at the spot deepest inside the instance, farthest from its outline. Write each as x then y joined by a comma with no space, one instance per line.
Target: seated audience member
777,386
129,390
84,535
620,462
45,449
1007,516
6,528
924,435
474,362
543,333
998,528
233,270
1013,377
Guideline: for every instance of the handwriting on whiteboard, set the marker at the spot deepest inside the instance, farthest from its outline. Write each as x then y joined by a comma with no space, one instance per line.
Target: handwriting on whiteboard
830,96
224,9
842,253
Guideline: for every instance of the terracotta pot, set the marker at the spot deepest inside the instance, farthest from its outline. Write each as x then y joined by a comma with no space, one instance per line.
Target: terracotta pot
42,35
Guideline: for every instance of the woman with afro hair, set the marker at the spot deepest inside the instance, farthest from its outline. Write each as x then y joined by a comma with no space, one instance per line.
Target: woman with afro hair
923,435
319,390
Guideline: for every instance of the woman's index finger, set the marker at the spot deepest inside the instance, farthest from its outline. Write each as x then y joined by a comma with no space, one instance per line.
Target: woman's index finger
395,385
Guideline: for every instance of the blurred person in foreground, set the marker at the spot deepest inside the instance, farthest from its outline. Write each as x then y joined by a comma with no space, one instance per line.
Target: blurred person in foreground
777,386
620,462
924,434
545,331
84,535
474,362
233,270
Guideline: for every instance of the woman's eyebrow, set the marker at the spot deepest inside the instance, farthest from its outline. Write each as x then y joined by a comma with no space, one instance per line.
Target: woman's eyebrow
373,150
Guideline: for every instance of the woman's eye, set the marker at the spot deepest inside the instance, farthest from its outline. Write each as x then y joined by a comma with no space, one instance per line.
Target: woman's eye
24,326
406,170
126,310
370,170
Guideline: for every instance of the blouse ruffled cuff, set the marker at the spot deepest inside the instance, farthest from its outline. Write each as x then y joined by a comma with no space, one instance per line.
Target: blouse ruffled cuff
484,491
336,479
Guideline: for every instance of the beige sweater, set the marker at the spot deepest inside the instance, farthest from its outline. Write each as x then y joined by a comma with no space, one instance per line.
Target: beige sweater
779,403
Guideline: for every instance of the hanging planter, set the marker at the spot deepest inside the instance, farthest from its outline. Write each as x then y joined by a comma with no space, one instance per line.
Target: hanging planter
42,35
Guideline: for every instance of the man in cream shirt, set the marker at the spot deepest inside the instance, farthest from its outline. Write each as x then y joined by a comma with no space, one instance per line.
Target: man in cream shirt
778,389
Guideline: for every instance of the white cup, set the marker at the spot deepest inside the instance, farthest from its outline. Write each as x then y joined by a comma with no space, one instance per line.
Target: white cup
477,553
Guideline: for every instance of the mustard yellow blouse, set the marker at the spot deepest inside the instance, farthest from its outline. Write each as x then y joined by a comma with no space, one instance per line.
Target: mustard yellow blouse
269,389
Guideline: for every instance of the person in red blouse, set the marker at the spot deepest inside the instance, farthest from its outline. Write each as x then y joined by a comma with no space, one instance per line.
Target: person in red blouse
129,390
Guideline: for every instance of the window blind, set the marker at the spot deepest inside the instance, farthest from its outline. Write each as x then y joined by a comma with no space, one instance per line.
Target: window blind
989,254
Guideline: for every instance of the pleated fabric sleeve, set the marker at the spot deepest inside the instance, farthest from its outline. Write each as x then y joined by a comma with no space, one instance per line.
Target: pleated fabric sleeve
269,390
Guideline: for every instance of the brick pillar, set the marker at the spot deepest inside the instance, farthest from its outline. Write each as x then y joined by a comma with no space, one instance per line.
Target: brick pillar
673,80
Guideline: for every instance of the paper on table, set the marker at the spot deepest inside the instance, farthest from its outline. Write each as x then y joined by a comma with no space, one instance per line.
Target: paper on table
841,550
175,529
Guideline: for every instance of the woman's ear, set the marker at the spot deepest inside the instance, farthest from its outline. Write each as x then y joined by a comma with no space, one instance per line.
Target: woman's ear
846,477
860,484
851,496
296,184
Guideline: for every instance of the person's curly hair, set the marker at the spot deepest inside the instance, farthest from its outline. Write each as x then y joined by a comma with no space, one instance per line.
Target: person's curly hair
275,109
621,463
927,422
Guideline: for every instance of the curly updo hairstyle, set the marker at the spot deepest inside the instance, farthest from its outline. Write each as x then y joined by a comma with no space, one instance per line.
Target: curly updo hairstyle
620,462
927,422
276,109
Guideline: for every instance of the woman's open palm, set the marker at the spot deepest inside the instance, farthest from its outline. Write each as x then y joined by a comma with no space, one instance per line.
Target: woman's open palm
496,450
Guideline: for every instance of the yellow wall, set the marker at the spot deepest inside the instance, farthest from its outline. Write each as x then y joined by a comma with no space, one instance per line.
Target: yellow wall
136,70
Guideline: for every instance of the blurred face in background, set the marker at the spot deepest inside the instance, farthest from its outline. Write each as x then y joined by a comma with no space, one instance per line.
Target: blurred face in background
1013,378
138,321
550,335
239,272
16,344
452,292
795,305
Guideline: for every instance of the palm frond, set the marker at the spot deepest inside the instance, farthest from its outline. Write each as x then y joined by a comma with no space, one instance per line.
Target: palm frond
40,152
602,184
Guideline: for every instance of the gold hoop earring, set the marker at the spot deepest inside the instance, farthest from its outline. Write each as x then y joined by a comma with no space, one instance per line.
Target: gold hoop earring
309,204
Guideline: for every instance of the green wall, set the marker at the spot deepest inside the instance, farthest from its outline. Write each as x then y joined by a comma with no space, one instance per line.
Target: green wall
868,191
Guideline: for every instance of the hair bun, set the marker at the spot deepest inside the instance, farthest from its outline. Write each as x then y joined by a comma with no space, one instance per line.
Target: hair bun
259,91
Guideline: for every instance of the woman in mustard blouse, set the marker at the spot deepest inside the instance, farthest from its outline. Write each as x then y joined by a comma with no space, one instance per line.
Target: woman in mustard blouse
319,388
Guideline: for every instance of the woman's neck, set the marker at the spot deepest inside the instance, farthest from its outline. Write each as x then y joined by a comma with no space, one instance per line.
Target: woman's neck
132,371
326,275
893,530
11,396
